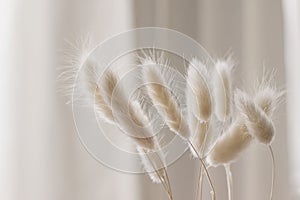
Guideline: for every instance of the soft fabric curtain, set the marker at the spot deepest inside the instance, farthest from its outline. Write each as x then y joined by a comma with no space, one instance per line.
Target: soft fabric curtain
291,10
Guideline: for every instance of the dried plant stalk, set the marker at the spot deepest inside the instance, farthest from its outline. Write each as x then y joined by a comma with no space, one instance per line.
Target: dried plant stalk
132,119
111,105
199,110
268,97
229,180
152,160
199,104
231,144
102,94
158,174
199,137
168,107
200,184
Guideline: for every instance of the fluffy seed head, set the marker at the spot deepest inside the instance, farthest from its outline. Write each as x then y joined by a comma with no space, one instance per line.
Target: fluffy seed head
103,110
75,53
108,83
231,144
95,94
267,95
223,88
257,122
140,124
164,100
198,94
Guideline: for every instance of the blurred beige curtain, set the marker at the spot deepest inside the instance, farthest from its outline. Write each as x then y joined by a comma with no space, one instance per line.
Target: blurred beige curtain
47,161
291,10
51,162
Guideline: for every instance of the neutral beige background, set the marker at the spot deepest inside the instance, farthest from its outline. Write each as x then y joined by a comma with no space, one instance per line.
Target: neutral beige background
43,158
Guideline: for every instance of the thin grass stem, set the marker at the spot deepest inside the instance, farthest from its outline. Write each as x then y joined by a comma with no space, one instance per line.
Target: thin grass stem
199,192
213,192
229,180
200,177
273,172
165,183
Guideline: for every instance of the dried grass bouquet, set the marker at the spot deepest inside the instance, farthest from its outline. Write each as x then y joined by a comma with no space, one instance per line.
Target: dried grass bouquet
218,121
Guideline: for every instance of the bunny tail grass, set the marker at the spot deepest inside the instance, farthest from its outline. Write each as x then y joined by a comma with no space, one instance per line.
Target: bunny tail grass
199,110
227,148
257,119
131,119
199,105
81,71
223,88
163,99
102,108
167,105
94,92
198,96
140,124
258,123
229,180
108,83
135,121
267,95
152,159
75,52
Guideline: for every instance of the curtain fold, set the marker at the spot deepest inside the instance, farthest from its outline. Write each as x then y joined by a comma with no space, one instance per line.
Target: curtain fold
291,12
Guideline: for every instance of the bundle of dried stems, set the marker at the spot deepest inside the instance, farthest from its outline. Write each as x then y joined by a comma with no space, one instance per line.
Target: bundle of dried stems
210,98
